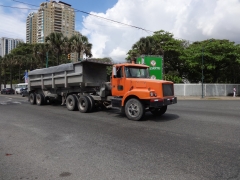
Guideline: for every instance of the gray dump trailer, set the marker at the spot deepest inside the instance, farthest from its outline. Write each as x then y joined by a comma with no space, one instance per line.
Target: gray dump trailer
82,85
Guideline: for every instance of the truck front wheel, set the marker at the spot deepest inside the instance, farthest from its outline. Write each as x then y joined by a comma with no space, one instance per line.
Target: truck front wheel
159,111
134,109
32,98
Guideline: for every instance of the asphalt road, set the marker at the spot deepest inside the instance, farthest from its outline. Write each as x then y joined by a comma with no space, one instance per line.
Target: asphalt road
194,140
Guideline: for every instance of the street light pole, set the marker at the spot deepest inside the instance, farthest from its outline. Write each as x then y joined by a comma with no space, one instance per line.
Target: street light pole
202,70
46,59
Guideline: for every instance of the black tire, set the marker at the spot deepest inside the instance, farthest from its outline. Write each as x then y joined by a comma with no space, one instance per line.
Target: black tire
84,104
159,111
122,111
32,98
76,98
92,103
71,103
40,99
134,109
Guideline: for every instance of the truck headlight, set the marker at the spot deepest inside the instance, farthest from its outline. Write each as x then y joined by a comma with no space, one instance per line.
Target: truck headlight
153,94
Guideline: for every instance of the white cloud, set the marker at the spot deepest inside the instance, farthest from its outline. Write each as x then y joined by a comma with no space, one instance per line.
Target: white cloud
13,22
187,19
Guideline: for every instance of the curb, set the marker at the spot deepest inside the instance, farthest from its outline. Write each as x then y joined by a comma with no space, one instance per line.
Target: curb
207,98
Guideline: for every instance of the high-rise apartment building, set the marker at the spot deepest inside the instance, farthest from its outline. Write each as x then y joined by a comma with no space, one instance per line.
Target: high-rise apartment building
55,17
31,28
7,44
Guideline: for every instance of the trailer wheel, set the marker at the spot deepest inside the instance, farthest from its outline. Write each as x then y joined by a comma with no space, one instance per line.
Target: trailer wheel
84,104
159,111
71,103
39,99
32,98
76,102
92,104
134,109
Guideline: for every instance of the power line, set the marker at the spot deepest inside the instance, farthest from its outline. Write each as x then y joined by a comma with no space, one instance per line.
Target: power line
17,7
114,21
25,3
109,20
76,10
148,31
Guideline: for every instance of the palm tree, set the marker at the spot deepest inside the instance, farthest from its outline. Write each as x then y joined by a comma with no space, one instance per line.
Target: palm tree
4,69
30,62
19,62
143,46
55,40
81,45
10,62
66,46
40,53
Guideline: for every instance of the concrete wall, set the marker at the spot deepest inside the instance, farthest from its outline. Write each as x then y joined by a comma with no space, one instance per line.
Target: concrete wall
208,89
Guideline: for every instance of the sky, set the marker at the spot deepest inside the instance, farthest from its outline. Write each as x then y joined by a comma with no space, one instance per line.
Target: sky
192,20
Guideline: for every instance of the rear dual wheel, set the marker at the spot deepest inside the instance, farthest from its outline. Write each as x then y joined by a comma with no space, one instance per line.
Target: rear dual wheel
86,104
32,98
71,102
40,99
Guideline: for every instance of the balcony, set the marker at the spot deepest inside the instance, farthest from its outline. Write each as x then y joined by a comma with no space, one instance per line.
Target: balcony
58,14
57,20
57,17
58,27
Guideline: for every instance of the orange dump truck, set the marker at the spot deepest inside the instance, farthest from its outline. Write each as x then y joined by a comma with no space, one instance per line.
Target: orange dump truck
83,86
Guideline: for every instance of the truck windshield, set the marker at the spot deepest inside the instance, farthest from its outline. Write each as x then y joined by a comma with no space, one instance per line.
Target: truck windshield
136,72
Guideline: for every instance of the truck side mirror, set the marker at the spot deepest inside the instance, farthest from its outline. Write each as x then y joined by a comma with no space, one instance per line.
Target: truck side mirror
114,72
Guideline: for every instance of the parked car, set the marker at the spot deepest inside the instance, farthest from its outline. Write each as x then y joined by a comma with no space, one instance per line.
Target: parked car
19,87
24,92
7,91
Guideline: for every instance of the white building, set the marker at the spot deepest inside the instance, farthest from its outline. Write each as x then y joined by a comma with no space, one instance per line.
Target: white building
7,44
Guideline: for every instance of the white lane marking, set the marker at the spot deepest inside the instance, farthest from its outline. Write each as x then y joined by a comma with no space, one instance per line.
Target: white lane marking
16,102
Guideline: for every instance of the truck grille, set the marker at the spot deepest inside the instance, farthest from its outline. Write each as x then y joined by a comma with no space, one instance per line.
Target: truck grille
168,90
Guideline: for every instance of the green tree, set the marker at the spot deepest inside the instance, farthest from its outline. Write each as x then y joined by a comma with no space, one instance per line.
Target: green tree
56,40
220,59
81,45
4,70
19,60
40,52
162,43
10,63
66,46
24,55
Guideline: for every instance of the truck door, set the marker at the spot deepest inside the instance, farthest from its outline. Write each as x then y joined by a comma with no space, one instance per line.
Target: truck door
118,83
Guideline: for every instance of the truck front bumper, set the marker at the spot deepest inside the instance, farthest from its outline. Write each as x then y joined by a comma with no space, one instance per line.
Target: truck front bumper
162,102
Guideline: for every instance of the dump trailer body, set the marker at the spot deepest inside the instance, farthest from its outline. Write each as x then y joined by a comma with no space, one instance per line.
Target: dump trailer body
84,74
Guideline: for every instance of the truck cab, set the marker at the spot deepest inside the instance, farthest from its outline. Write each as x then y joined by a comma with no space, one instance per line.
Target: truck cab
134,92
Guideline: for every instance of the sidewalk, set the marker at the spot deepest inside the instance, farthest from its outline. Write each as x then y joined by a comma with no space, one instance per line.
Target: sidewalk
207,98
